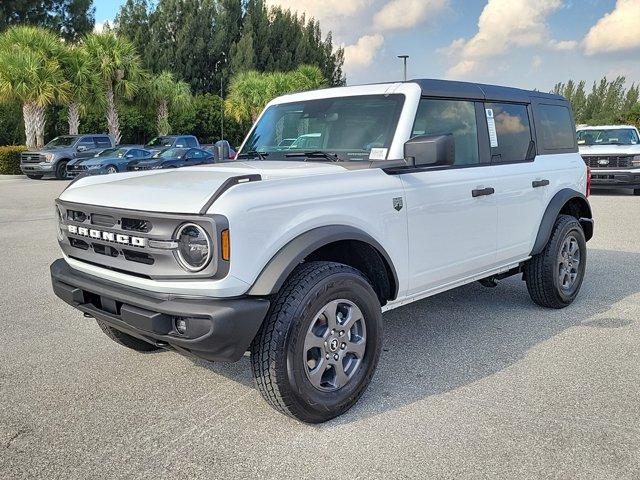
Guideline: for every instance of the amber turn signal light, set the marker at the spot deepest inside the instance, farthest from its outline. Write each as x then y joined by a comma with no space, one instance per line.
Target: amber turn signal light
226,245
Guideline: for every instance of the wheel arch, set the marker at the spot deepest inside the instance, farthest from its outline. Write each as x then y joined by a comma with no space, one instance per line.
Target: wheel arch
566,201
340,243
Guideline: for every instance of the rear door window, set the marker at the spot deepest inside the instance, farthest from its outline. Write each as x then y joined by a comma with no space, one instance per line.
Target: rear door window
509,132
557,127
88,143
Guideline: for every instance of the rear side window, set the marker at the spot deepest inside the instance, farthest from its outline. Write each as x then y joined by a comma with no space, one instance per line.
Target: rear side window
512,139
102,142
441,117
556,126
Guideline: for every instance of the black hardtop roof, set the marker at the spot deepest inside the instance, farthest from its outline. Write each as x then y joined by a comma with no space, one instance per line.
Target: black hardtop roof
479,91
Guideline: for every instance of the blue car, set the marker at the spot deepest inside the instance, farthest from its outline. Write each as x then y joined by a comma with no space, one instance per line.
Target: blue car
111,160
174,158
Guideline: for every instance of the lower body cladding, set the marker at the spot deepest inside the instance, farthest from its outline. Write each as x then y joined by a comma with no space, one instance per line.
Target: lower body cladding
213,329
615,178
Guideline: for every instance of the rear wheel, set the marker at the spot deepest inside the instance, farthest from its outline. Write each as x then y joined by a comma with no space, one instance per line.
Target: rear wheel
554,276
34,177
126,340
61,170
319,346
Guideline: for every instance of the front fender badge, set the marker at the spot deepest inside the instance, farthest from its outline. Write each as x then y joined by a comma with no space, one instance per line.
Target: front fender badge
397,203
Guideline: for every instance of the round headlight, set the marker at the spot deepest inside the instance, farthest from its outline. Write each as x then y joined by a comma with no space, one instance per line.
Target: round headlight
194,247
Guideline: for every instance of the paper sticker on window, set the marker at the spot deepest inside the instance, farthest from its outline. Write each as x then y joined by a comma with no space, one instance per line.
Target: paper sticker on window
491,123
378,154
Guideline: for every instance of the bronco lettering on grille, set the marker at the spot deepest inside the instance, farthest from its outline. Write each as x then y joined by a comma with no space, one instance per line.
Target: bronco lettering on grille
107,236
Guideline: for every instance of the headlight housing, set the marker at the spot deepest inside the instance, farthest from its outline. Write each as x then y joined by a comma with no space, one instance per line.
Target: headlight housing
49,157
194,247
635,161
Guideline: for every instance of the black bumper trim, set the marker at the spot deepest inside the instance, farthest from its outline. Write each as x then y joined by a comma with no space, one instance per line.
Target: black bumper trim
218,329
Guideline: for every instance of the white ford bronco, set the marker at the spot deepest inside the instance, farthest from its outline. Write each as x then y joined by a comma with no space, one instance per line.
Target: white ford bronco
342,203
613,154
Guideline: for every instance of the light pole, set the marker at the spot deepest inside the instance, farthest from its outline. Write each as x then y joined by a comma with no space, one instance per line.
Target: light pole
404,60
224,58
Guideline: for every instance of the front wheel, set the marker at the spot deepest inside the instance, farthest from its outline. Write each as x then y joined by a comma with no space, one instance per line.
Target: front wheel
554,276
111,169
61,171
319,346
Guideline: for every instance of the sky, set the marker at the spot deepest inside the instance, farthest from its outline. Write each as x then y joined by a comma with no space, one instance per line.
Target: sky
522,43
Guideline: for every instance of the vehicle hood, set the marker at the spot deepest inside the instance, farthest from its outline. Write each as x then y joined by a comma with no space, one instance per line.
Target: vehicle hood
609,149
98,160
184,190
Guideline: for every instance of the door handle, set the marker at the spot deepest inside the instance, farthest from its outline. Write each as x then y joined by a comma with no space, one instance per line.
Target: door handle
539,183
482,191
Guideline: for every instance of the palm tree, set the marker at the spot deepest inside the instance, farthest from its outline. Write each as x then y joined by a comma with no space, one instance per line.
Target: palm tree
120,70
165,93
84,83
32,75
250,91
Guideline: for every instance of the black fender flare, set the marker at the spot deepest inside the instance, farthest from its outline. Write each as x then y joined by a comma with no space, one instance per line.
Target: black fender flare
278,269
553,210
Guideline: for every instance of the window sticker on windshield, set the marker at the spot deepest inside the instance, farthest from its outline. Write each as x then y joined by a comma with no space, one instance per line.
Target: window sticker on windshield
378,154
491,123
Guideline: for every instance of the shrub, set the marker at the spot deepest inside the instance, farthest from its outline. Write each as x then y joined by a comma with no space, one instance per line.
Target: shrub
10,159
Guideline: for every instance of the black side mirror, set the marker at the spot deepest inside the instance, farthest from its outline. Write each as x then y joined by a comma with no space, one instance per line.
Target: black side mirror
430,150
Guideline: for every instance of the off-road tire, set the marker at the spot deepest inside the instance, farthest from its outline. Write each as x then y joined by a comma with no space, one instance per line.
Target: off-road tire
61,170
277,350
34,177
126,340
541,271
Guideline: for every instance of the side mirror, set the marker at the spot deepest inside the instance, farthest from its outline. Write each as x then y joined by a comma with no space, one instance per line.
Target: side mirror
82,148
430,150
222,150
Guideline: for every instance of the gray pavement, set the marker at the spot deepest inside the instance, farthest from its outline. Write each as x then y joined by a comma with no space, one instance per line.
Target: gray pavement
472,383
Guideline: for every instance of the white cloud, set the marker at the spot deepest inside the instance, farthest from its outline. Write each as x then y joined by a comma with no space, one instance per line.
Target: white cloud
100,27
563,45
616,31
362,53
536,62
505,24
325,9
399,14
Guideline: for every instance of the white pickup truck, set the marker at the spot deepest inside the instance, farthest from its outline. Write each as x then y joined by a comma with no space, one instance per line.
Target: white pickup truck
613,154
293,254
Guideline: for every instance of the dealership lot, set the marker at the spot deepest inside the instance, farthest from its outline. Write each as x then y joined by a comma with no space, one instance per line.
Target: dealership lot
474,383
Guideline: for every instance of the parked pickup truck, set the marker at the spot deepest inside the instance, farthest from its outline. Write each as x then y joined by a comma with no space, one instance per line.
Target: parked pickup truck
410,189
54,157
613,154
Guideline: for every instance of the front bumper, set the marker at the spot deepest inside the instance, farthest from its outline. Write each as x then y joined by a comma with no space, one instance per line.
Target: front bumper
217,329
615,178
37,168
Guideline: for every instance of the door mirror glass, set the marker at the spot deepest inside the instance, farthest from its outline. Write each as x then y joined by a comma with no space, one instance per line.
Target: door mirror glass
430,150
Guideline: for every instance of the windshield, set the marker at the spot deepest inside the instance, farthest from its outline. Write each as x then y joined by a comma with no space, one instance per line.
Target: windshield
113,152
349,127
611,136
173,153
161,142
64,141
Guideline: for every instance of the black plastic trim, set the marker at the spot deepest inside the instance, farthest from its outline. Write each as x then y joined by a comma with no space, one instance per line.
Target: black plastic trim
275,273
551,213
225,327
228,183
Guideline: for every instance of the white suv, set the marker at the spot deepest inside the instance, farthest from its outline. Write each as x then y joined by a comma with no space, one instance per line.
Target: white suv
613,154
411,189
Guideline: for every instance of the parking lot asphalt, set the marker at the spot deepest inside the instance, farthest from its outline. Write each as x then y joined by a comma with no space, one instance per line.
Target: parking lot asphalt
472,383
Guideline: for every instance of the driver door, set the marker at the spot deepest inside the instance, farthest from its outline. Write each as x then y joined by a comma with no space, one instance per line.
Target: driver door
452,213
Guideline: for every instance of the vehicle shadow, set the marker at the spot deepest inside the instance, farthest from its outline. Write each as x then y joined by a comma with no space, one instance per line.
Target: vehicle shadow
444,342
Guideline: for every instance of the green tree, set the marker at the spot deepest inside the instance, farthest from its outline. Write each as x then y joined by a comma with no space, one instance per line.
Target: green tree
32,75
70,18
84,83
120,70
250,91
166,93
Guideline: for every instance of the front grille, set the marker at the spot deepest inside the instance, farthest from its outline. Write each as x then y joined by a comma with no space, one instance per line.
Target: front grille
608,161
134,242
26,157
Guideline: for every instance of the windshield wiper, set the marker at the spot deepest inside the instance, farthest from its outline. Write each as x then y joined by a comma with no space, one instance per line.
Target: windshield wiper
253,154
315,154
